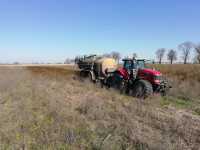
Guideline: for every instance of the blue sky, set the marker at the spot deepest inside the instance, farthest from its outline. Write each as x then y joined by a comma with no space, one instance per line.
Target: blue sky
51,30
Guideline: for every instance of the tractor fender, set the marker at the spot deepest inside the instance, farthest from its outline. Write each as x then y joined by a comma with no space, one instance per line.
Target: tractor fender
123,73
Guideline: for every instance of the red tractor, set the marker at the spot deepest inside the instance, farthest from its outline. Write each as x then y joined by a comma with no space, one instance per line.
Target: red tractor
136,78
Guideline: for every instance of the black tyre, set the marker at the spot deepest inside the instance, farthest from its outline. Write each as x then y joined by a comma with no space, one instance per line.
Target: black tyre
86,76
142,89
109,82
83,75
100,83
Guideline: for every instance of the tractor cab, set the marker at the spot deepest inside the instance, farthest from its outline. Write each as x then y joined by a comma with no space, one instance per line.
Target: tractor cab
130,67
130,64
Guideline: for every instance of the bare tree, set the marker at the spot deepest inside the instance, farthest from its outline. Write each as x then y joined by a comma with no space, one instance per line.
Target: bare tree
197,50
172,55
160,54
116,55
186,49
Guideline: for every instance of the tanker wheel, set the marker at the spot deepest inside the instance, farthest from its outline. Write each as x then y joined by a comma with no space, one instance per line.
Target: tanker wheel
83,75
142,89
86,76
100,83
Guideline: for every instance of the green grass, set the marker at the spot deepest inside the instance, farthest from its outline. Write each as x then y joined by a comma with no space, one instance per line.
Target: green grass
178,103
197,111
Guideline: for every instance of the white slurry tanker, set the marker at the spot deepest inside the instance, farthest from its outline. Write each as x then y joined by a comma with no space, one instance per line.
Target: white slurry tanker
96,67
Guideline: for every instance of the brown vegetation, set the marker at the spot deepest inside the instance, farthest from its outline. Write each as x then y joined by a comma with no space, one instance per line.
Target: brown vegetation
182,72
49,108
185,79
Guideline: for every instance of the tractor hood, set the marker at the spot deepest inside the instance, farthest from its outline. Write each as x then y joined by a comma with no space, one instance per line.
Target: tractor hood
150,71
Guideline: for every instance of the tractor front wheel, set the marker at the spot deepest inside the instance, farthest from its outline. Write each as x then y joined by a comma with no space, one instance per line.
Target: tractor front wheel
142,89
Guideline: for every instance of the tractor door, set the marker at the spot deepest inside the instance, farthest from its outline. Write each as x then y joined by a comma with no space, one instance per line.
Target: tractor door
131,67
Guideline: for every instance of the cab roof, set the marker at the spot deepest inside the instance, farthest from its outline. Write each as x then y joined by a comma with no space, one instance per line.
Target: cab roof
127,59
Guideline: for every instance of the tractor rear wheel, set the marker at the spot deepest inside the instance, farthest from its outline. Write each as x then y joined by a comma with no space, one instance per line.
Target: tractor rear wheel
142,89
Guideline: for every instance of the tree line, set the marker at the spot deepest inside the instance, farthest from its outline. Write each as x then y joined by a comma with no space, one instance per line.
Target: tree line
185,49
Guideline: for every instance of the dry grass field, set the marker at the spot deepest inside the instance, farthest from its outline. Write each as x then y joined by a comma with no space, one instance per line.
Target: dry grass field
185,80
187,72
47,107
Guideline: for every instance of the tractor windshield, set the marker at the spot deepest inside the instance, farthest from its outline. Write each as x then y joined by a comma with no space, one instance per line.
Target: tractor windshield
134,64
140,64
128,64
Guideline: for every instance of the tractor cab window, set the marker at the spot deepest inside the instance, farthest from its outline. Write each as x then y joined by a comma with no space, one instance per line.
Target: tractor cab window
140,64
129,64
